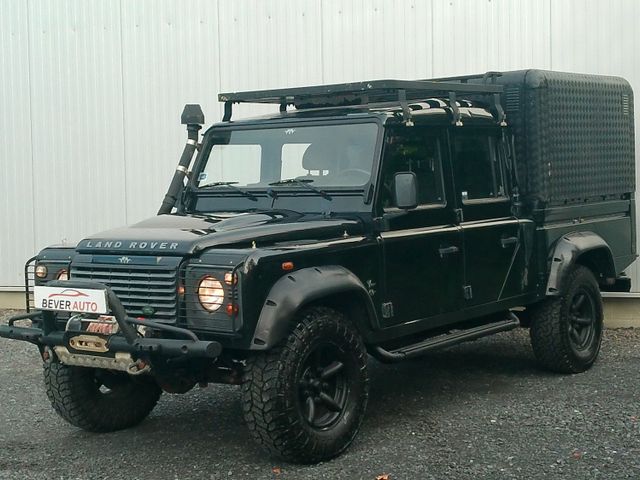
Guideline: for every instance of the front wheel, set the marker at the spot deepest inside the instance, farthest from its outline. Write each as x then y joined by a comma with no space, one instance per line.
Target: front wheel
566,331
305,400
99,400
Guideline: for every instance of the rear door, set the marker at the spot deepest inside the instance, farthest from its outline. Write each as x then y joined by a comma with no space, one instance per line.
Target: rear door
491,233
422,248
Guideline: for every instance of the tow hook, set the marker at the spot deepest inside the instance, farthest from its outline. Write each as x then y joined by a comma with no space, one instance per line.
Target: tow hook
47,355
140,366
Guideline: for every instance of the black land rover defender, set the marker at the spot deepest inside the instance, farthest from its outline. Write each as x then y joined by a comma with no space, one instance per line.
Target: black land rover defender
384,218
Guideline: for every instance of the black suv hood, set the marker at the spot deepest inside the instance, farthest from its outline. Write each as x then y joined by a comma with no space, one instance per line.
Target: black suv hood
187,234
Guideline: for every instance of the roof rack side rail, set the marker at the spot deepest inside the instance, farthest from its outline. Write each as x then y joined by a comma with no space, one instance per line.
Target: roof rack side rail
485,77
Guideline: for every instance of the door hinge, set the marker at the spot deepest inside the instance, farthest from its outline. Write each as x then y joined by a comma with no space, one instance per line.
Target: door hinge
468,292
459,215
387,310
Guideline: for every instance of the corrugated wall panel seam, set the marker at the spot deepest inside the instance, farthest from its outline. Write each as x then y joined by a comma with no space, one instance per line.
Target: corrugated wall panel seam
124,131
31,159
218,43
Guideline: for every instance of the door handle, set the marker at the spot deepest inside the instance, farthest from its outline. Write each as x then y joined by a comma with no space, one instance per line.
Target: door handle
506,241
448,250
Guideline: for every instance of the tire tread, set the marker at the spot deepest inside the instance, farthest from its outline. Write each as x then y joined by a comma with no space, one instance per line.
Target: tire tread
68,391
549,341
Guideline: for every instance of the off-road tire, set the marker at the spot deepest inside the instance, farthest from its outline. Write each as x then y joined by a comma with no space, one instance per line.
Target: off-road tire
272,398
75,395
551,323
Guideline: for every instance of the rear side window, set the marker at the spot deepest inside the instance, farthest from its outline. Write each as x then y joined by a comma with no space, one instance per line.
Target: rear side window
478,171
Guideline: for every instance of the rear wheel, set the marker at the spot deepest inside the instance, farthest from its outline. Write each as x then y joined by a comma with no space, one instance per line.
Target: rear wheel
305,400
99,400
566,331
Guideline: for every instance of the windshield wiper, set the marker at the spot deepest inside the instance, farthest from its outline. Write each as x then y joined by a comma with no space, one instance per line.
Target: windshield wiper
303,182
232,186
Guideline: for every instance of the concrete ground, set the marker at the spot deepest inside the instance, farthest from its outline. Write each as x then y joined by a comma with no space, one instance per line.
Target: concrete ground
480,410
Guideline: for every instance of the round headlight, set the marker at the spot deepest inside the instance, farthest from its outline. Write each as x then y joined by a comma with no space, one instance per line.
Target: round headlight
62,275
210,293
41,271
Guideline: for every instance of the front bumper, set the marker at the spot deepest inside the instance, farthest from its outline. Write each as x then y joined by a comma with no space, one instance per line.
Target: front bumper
179,342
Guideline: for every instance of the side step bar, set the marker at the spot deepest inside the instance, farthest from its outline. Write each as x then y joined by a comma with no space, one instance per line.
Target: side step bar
446,340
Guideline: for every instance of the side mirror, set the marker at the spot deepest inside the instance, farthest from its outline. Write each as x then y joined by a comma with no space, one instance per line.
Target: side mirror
405,190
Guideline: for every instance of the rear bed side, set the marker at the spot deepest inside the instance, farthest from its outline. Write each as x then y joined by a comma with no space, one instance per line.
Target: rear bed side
574,136
600,236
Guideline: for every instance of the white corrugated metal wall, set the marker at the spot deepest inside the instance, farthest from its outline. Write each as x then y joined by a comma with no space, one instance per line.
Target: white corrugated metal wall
91,90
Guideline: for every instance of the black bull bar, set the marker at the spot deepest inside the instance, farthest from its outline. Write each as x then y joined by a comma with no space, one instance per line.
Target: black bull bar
189,346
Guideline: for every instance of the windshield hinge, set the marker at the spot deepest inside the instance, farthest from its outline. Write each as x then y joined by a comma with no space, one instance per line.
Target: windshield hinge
459,215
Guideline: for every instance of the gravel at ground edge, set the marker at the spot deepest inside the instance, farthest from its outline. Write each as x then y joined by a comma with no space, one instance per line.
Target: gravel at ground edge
479,410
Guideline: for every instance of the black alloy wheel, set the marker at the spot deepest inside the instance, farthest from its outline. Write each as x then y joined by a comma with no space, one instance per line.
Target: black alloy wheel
582,320
323,385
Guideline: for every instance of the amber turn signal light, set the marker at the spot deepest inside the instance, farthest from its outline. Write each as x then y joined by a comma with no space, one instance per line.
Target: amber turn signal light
230,278
286,266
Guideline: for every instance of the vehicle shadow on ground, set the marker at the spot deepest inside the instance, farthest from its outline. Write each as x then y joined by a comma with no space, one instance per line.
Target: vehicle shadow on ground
433,380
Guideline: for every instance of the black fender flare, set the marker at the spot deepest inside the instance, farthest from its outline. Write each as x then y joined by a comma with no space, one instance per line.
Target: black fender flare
302,287
566,252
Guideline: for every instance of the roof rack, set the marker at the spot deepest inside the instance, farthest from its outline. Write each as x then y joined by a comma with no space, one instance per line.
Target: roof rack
362,93
485,77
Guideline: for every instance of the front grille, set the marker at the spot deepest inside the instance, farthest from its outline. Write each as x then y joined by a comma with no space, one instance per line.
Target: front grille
137,286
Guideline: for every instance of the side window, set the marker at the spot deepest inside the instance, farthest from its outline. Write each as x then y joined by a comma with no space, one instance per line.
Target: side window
478,172
413,150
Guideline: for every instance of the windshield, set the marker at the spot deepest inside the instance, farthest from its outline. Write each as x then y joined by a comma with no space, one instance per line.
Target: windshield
322,156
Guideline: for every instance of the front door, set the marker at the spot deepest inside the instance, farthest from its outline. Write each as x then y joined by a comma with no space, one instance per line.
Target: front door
492,235
422,248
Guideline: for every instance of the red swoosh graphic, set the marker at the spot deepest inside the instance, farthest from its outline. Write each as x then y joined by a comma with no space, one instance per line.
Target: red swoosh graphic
69,292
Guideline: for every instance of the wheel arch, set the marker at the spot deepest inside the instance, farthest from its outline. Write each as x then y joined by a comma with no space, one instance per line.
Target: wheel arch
333,286
579,248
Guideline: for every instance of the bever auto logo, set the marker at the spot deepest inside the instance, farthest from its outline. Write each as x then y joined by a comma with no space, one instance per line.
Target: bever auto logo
69,301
